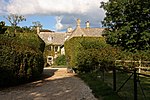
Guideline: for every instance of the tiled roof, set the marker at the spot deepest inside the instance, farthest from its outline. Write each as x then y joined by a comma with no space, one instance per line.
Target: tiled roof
53,38
93,32
87,32
77,32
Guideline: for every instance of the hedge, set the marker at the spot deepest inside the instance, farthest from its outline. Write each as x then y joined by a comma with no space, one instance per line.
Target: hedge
88,54
77,44
21,58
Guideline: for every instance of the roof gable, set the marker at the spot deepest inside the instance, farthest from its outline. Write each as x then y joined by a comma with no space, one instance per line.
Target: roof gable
77,33
93,32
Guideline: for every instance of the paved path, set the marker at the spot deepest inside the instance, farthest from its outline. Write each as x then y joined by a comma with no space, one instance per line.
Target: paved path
57,85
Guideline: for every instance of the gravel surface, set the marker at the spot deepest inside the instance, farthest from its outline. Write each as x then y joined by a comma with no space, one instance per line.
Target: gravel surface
57,85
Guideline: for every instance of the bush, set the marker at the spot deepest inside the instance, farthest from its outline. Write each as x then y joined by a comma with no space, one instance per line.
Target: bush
21,65
76,44
101,59
21,58
60,60
133,56
88,53
91,54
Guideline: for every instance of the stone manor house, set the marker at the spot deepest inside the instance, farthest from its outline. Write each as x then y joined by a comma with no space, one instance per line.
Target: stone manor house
56,39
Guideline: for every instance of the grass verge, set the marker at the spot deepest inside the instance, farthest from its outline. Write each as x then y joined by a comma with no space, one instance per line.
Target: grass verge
103,90
100,89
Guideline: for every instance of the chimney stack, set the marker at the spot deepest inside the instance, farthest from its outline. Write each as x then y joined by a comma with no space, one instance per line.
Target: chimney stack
69,29
87,24
38,29
78,22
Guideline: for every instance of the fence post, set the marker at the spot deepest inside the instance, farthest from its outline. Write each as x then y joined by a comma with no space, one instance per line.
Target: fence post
140,66
103,72
114,79
135,85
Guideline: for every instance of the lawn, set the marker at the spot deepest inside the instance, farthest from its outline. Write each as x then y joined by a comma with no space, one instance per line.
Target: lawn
104,89
127,91
100,89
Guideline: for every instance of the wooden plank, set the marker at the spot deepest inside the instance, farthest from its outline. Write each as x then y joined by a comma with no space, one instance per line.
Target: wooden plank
132,61
143,67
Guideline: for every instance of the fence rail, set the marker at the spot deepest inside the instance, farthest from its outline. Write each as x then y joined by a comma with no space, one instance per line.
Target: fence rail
135,75
140,64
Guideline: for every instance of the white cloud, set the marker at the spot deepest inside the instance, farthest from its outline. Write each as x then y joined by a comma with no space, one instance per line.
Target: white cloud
23,7
84,9
2,7
58,25
52,7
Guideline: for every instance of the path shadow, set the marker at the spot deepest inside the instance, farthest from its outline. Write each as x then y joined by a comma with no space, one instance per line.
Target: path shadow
58,89
49,89
48,73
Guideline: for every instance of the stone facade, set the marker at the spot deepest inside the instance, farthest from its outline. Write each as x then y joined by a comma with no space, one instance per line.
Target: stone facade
56,39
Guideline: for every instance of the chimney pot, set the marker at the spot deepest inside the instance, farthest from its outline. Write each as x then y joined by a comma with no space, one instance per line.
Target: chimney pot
87,24
69,30
78,22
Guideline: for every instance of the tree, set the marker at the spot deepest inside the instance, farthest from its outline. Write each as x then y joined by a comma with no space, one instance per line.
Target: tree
2,27
15,19
36,24
127,23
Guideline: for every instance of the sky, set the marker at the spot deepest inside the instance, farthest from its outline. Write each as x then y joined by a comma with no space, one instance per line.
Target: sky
54,15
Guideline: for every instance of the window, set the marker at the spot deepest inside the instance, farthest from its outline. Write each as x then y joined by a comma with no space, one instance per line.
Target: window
50,48
56,48
50,38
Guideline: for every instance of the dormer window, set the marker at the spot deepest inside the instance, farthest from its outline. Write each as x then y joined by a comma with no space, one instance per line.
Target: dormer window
50,38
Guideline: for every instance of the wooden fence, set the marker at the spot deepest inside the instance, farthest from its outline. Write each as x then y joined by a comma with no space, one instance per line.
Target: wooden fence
136,68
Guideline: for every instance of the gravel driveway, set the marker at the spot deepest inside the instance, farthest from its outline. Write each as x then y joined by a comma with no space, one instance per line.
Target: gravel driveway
57,85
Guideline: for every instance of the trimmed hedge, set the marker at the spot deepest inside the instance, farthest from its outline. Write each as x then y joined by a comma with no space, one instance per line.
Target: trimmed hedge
92,54
21,58
81,51
97,59
72,48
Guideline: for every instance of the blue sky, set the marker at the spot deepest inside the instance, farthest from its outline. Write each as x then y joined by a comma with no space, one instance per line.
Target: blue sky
55,15
48,22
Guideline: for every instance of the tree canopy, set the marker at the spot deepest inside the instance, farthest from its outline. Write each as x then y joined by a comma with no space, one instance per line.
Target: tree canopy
36,24
15,19
2,27
127,23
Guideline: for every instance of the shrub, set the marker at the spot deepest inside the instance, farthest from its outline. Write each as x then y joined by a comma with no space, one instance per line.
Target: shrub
19,64
133,56
87,60
21,58
90,60
91,54
72,47
60,60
